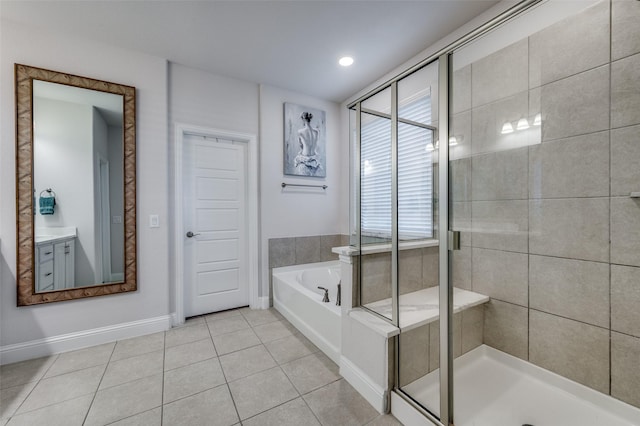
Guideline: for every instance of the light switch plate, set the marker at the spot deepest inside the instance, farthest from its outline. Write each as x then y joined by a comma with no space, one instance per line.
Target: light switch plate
154,221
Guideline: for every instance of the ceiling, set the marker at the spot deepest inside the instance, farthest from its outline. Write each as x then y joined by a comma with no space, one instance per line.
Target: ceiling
292,44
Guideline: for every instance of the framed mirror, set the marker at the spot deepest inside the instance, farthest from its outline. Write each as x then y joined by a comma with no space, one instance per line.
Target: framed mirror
75,186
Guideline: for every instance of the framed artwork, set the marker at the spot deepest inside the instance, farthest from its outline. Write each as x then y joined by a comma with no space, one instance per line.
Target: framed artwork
305,141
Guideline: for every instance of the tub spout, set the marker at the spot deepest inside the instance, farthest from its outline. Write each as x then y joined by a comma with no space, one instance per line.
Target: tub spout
339,296
326,294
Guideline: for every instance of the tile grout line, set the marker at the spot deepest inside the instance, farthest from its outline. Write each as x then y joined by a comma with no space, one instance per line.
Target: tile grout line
224,375
164,359
610,191
59,402
133,415
59,375
528,178
98,387
567,318
31,391
277,366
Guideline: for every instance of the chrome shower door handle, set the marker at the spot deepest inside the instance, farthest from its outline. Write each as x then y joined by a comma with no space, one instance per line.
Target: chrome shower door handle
191,234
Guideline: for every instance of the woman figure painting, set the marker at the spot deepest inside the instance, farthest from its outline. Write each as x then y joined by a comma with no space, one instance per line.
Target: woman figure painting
306,162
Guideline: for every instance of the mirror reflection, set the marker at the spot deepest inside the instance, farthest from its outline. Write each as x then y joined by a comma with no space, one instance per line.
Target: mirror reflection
78,187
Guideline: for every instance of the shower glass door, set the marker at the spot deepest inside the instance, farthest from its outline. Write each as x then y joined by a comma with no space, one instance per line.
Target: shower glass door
397,225
418,373
376,152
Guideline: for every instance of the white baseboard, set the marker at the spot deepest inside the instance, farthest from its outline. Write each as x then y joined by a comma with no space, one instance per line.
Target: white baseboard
82,339
263,303
371,391
174,319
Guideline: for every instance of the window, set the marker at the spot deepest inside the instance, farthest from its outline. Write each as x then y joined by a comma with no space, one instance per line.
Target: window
415,174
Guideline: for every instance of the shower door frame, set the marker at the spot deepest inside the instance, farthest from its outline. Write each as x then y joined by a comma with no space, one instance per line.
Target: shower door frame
445,234
445,290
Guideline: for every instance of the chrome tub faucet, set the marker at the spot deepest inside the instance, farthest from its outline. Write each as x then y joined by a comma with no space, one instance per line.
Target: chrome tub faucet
325,299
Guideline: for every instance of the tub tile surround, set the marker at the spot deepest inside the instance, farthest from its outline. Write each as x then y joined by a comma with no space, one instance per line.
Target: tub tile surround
301,250
561,258
289,383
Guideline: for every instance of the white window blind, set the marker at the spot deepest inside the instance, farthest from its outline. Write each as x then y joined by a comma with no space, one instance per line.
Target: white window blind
415,174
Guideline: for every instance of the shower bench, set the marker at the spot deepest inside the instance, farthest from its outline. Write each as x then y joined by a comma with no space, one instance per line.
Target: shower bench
367,339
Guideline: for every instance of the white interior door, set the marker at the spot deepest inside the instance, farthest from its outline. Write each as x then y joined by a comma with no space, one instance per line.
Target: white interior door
215,214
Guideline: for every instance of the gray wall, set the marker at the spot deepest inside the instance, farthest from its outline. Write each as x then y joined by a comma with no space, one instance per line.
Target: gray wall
27,45
549,230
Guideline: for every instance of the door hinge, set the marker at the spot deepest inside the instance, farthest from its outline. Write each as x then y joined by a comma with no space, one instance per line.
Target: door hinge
454,240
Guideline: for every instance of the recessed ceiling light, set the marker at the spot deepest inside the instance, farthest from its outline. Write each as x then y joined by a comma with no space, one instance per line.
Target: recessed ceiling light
346,61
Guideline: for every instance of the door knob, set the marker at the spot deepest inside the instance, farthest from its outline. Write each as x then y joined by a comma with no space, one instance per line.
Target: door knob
191,234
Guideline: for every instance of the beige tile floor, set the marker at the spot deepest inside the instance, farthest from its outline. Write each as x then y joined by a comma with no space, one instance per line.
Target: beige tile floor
248,367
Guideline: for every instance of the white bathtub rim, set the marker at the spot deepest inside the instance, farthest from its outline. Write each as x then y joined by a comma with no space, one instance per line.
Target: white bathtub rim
287,275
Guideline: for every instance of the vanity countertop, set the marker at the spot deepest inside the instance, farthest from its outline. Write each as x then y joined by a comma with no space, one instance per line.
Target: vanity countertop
52,239
54,235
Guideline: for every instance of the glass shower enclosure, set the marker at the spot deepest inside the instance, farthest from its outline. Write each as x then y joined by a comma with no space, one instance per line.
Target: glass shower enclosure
496,222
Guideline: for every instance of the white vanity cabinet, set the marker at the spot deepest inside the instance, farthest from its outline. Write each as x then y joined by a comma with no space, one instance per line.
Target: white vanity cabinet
55,264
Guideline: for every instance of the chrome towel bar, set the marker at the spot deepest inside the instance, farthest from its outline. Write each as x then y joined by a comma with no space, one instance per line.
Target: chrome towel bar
284,185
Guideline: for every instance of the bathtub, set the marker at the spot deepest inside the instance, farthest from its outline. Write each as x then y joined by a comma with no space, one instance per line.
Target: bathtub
297,298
